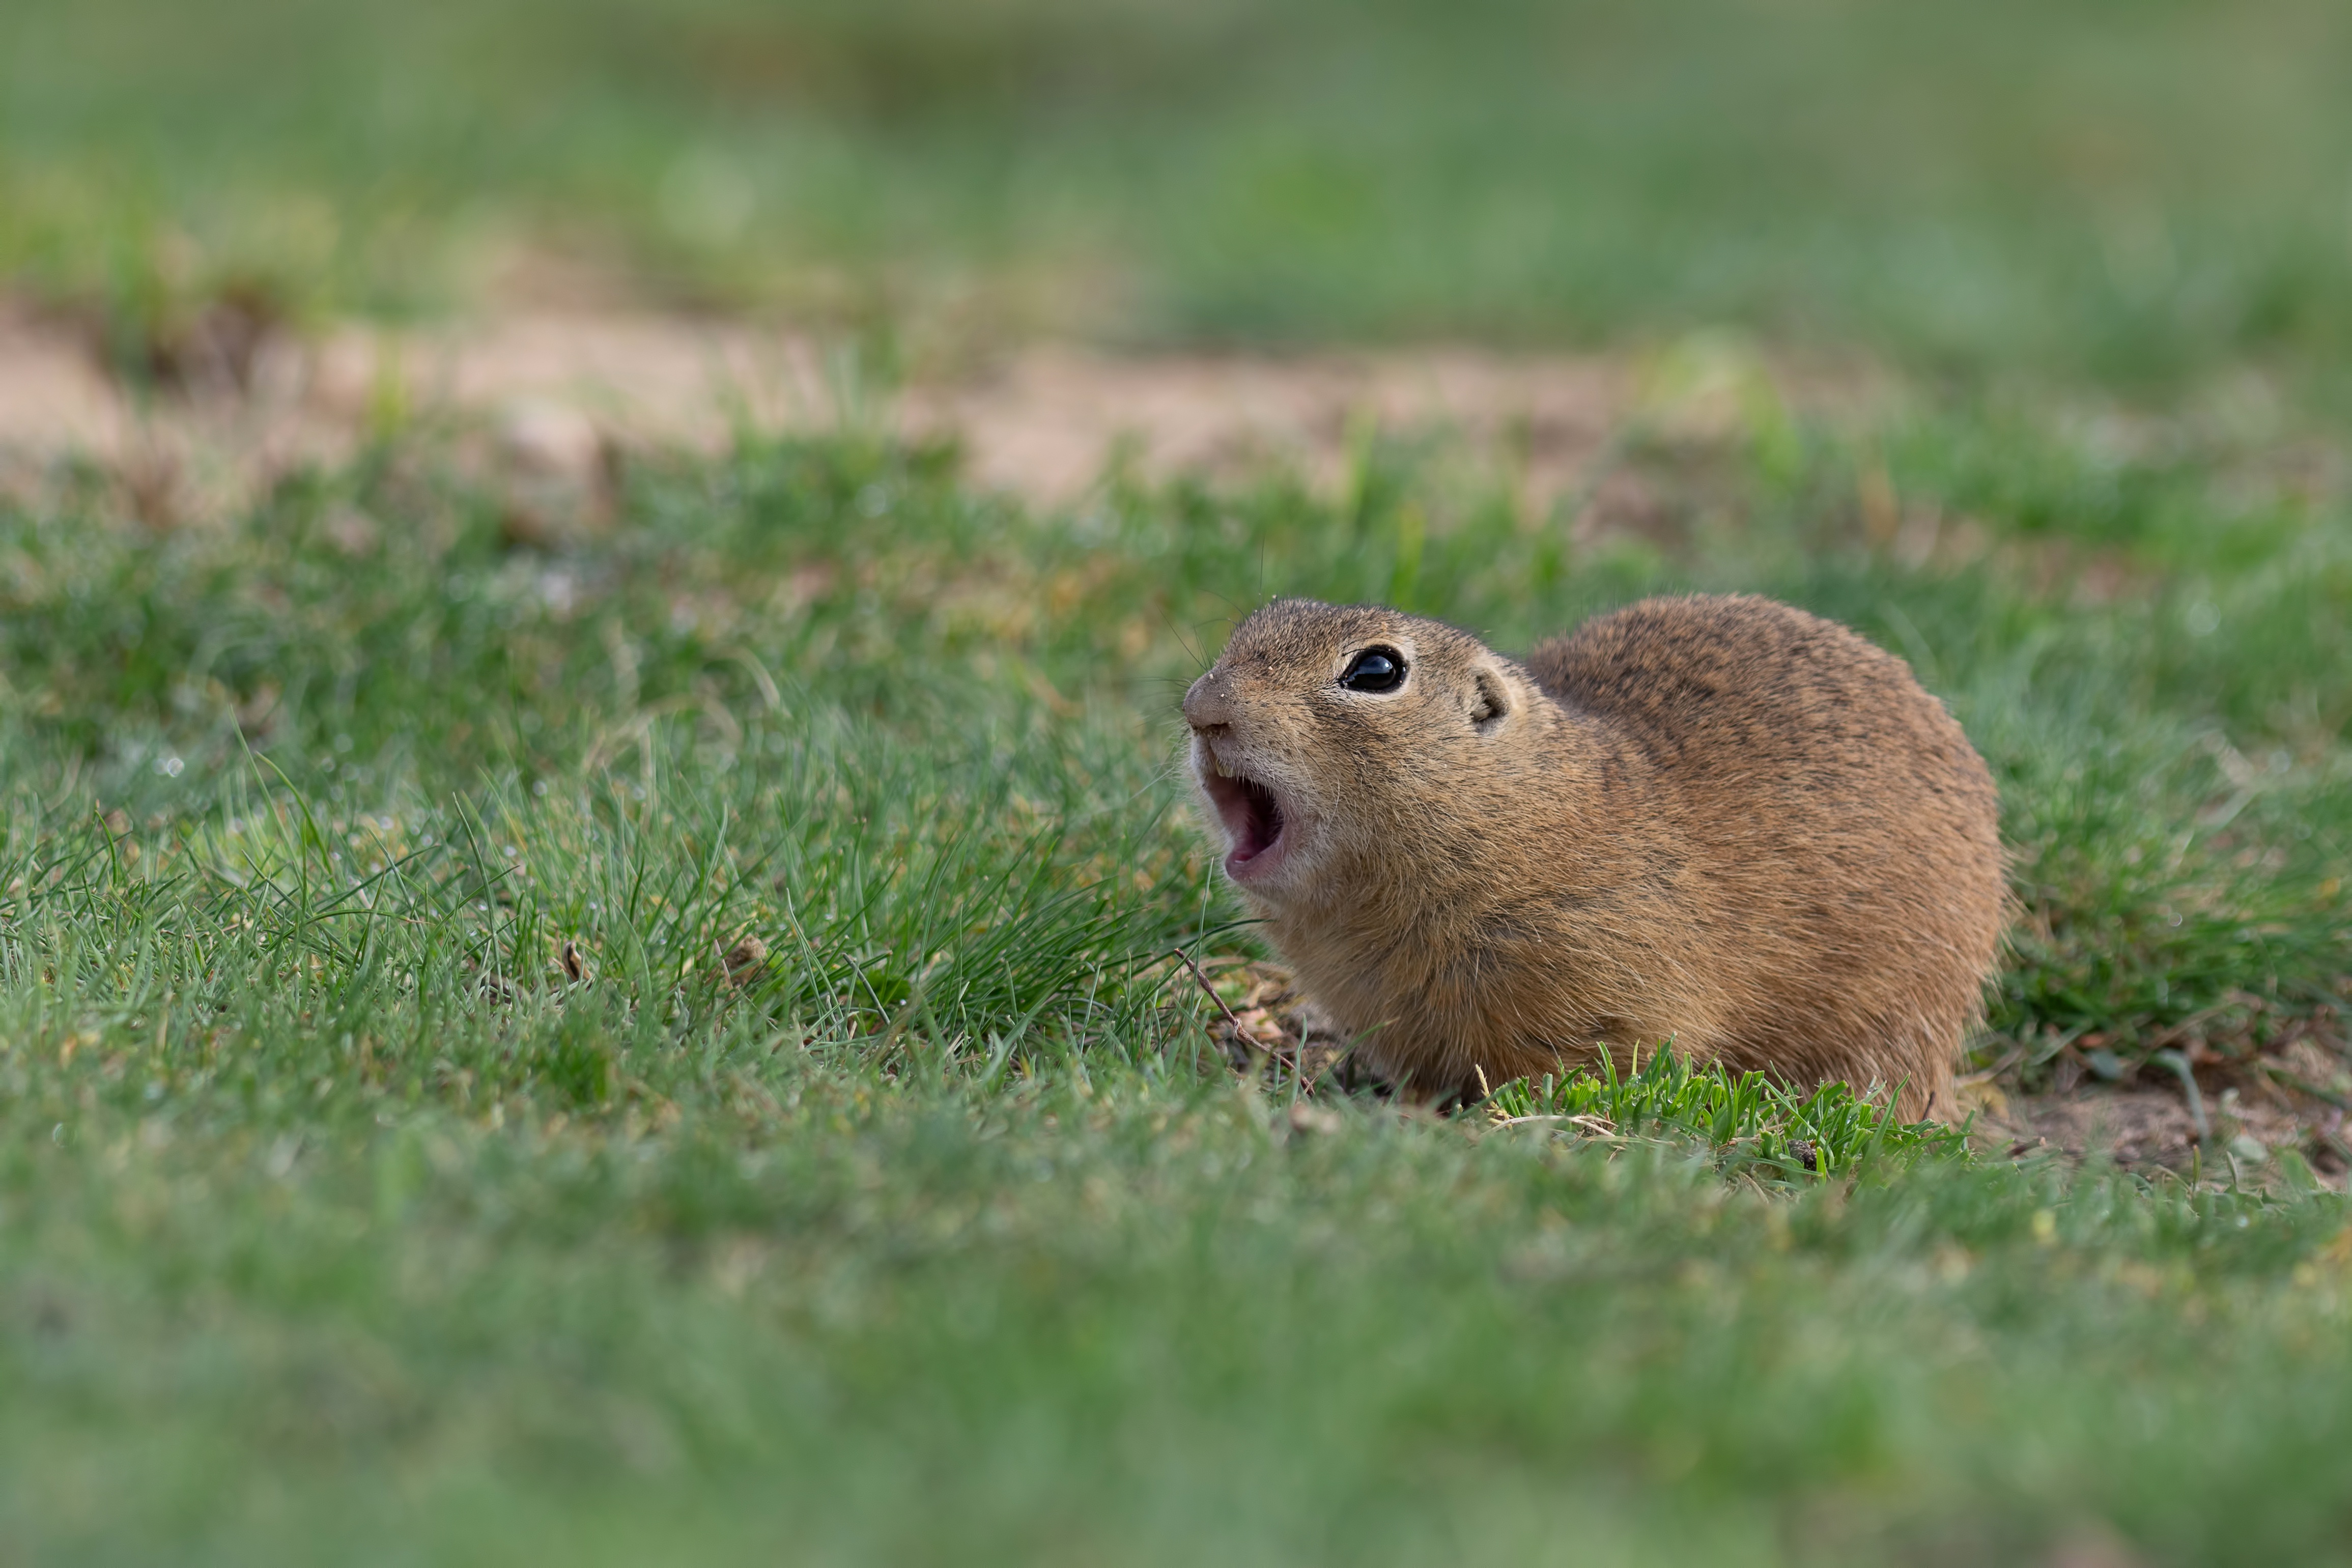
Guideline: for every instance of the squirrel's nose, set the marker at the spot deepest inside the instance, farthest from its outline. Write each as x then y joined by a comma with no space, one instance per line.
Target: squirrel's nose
1208,705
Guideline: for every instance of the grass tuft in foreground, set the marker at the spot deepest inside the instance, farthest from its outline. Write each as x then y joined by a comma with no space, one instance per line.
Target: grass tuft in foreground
1751,1124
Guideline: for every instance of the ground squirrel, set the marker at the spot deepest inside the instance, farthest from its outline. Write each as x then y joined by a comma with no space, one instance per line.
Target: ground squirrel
1718,821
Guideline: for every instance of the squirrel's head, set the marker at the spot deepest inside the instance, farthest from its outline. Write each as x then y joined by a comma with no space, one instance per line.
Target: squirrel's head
1330,736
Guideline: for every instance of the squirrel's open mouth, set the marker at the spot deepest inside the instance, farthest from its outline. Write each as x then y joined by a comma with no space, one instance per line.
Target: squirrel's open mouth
1252,814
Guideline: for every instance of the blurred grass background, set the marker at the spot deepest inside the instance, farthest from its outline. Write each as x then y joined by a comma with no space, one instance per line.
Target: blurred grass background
2133,192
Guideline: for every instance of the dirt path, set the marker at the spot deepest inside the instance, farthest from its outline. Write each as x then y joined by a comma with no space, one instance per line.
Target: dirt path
1041,422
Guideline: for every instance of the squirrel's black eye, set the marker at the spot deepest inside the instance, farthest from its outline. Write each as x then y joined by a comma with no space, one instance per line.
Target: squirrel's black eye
1375,670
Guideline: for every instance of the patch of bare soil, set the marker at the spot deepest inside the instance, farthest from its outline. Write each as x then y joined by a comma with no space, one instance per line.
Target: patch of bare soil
1045,422
2241,1121
2232,1118
1264,1026
227,405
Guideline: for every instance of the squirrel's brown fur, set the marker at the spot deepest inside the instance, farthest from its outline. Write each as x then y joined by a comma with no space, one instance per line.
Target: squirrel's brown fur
1720,821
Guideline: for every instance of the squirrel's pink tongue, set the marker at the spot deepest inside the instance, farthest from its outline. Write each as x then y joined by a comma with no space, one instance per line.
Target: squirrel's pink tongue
1252,816
1260,828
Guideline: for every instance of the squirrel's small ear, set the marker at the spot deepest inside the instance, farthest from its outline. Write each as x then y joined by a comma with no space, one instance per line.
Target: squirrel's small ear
1491,704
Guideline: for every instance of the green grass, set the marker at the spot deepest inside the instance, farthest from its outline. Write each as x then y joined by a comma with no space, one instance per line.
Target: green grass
340,1217
406,1153
2148,195
1756,1127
